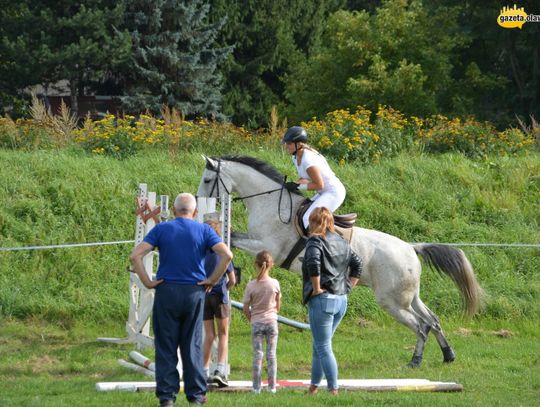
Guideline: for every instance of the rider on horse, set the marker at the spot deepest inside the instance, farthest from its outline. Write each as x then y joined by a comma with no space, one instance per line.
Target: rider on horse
314,172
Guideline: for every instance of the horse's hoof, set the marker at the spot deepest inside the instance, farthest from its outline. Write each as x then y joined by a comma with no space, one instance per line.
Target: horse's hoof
449,355
415,362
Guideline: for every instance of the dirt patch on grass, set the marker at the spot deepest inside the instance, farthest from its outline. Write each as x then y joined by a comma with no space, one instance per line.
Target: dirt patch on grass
365,323
503,333
464,331
40,364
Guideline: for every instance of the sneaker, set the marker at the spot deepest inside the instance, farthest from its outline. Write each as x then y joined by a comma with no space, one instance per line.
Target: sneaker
256,391
273,391
220,379
198,401
166,403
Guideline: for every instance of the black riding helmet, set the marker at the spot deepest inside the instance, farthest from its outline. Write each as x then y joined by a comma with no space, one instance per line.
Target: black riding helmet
295,134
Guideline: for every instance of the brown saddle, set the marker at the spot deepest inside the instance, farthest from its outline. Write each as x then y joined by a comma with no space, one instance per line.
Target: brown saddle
340,221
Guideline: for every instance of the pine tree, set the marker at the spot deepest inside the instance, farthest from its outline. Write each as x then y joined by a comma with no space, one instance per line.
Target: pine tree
270,37
174,60
45,42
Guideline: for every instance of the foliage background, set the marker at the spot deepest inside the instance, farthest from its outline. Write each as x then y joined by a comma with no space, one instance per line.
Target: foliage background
306,58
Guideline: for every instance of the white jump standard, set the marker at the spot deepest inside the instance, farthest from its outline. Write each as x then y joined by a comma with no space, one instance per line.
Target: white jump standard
141,298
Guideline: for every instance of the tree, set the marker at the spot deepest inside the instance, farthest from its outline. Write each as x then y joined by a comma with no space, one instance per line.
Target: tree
270,37
174,60
400,56
22,51
44,42
497,74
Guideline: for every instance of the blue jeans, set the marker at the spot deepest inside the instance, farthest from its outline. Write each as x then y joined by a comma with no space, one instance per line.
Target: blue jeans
177,320
325,313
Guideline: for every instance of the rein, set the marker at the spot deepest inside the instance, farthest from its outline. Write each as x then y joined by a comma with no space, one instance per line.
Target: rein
239,198
218,180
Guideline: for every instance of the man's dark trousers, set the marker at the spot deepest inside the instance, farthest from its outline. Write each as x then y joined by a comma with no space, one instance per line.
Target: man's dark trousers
177,319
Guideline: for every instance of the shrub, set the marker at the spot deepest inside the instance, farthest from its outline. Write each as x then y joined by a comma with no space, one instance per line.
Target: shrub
123,137
201,135
119,137
394,130
343,135
25,134
347,136
470,137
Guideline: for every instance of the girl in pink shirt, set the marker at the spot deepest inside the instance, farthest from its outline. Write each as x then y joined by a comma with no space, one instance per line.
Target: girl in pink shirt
262,300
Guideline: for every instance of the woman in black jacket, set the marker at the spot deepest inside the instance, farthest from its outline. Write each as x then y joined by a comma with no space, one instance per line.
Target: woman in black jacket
327,281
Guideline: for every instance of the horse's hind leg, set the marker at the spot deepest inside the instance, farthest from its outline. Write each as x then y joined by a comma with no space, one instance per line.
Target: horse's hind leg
414,322
433,320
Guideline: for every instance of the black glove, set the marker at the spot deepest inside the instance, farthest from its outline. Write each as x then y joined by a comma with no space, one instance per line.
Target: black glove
291,186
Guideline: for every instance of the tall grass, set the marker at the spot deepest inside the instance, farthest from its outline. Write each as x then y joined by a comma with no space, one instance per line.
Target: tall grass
70,196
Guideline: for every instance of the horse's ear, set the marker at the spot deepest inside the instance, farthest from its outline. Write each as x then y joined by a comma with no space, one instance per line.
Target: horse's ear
210,163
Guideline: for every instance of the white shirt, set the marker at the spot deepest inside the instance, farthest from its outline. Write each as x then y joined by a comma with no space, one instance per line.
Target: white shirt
310,159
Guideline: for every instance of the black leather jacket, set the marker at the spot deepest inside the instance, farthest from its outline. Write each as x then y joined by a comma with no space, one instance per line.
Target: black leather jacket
329,258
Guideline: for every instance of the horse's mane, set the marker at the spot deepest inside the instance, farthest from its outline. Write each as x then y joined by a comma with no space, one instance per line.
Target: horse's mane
259,165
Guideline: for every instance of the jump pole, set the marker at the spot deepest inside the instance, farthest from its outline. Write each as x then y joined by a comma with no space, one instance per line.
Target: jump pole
137,368
283,320
370,385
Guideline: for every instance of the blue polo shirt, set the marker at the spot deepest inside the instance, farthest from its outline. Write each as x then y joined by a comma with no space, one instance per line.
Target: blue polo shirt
182,245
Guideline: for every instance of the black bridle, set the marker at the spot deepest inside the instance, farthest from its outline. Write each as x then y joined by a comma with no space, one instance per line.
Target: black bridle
218,181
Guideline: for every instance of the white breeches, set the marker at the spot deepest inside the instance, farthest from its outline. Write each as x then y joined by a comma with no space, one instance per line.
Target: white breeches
330,199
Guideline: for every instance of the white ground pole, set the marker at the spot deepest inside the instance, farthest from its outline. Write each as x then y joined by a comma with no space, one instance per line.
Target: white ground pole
378,385
142,360
137,368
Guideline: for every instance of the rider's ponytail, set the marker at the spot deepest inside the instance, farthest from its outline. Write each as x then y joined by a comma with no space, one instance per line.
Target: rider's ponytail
310,148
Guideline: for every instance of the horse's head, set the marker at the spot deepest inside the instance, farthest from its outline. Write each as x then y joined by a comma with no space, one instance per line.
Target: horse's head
247,176
214,181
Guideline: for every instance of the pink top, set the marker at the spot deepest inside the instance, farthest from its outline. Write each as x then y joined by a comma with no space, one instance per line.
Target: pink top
261,295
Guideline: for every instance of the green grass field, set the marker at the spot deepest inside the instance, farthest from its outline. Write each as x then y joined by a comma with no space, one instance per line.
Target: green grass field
497,363
55,303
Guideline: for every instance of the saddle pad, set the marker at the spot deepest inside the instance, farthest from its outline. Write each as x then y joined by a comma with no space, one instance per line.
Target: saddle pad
346,234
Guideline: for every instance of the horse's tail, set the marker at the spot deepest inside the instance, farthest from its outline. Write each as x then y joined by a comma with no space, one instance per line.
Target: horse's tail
453,262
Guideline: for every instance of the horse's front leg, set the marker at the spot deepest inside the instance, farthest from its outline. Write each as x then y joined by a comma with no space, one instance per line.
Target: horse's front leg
244,242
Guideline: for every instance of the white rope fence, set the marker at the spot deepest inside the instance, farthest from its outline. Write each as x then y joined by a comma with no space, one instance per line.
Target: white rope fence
70,245
489,244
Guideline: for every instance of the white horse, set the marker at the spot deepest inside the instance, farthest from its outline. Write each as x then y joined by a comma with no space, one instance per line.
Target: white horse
391,266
